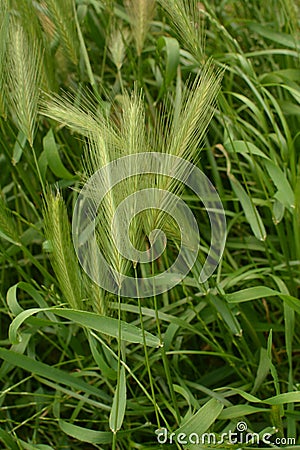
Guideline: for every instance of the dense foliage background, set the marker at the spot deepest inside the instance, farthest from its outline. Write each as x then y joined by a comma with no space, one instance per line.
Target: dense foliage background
219,353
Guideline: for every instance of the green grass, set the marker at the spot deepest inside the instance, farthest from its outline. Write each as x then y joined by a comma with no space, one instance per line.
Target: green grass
81,84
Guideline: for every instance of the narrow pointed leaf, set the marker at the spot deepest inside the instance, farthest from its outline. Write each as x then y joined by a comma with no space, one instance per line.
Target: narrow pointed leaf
284,194
105,325
51,373
119,403
84,434
203,419
53,157
251,212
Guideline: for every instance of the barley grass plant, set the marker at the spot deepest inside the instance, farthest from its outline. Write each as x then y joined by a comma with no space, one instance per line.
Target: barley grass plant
82,84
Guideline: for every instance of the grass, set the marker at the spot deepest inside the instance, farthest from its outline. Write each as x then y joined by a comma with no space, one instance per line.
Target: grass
82,84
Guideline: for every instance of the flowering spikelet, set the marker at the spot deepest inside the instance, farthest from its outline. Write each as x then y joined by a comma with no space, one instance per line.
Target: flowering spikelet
141,13
24,78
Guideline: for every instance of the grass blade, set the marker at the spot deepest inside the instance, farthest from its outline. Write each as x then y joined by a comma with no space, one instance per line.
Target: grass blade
251,213
85,435
203,419
119,404
105,325
53,157
51,373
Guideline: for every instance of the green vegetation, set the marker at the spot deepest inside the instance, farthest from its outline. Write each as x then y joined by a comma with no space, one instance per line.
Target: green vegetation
82,83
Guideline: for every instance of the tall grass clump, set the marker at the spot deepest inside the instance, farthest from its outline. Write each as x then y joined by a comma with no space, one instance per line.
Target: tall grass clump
82,85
